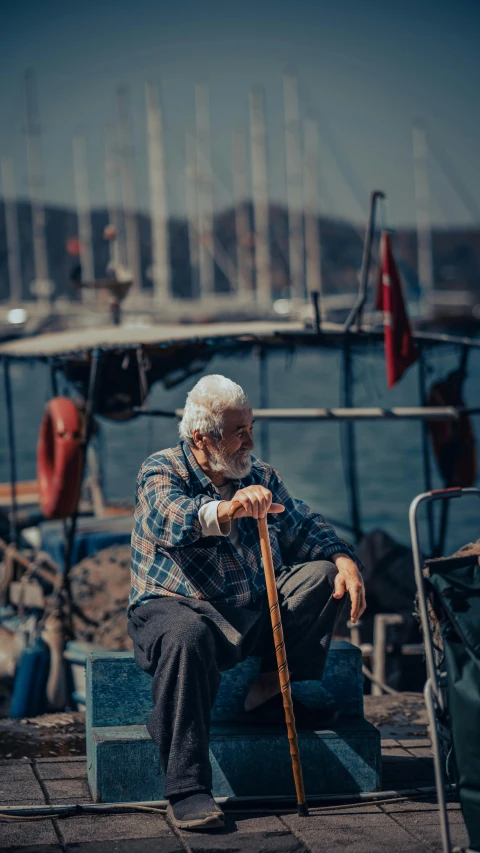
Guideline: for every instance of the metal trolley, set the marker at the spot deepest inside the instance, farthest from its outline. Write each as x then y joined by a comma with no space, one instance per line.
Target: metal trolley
435,686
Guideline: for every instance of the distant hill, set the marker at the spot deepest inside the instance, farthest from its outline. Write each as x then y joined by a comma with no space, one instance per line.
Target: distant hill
456,251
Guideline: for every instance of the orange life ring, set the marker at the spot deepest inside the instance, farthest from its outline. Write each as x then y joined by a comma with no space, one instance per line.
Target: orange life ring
60,458
453,441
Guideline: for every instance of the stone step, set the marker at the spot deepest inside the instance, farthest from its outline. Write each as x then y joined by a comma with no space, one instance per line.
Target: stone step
119,693
247,761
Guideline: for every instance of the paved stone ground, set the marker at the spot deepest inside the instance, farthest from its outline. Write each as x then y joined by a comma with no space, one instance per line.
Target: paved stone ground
398,827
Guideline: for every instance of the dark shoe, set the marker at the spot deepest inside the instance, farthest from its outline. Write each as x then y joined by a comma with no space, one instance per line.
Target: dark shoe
271,713
195,811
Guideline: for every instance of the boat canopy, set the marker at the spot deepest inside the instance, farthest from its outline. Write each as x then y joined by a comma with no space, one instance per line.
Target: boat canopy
134,357
79,343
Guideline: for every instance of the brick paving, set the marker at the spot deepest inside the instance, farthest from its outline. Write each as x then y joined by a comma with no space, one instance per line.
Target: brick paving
401,827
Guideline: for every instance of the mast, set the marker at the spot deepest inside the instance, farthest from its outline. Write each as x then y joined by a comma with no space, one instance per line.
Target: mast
258,141
313,253
158,198
294,187
117,245
422,209
126,158
204,191
82,198
242,218
191,206
41,286
11,229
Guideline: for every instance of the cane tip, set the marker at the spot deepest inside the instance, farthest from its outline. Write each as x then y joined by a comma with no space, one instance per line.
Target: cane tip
302,810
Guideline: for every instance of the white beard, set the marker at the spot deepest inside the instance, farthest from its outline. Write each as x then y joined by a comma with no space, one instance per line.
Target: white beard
234,467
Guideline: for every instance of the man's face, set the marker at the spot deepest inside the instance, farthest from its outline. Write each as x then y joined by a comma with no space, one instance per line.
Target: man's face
231,454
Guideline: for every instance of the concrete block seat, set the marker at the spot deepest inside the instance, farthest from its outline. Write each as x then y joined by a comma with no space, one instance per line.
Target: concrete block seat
247,761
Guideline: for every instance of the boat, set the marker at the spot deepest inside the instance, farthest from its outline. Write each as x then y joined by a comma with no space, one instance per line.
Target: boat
112,370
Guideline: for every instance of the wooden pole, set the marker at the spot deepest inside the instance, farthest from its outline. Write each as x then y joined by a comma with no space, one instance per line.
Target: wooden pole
282,665
281,654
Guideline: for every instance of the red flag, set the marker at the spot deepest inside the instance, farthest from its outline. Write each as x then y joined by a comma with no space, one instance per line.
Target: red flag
400,350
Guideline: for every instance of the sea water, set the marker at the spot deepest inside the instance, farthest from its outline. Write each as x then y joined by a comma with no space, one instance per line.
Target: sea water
308,455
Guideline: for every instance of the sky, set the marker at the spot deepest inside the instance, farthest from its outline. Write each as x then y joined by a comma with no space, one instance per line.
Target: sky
365,69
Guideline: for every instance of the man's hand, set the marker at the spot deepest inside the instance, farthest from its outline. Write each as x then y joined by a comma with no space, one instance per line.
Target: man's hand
350,580
255,502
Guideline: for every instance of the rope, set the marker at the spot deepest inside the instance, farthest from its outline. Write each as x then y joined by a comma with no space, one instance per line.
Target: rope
375,680
66,811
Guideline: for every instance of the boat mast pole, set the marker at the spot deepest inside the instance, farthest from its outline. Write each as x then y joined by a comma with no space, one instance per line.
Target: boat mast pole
355,315
41,286
126,157
293,163
158,200
191,207
422,212
313,252
242,218
258,141
84,220
117,243
11,229
14,532
204,191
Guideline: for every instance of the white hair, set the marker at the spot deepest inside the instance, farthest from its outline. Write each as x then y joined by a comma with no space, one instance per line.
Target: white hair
206,404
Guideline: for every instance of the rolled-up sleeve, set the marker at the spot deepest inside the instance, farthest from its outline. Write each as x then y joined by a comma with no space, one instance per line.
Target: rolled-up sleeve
305,535
208,515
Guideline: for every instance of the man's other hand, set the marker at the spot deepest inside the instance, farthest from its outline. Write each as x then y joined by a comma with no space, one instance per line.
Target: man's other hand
255,501
350,580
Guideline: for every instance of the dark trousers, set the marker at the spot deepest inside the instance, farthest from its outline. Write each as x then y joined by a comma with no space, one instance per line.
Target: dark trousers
185,644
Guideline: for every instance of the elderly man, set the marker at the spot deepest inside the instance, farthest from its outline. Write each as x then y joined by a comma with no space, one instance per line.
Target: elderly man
198,603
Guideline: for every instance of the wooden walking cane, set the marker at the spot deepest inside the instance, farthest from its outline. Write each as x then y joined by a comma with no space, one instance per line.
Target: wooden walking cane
280,651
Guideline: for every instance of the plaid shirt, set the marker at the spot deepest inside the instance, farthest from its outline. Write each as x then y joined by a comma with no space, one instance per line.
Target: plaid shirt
170,556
